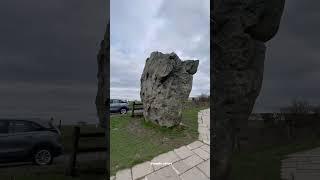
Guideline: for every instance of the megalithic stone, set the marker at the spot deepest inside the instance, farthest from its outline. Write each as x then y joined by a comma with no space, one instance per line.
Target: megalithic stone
102,96
103,92
240,29
166,83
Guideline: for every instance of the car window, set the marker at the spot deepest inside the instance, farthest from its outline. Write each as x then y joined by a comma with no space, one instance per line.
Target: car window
3,127
22,126
36,126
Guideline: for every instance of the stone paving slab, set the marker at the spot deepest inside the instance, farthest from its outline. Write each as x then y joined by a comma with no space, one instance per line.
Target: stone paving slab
124,174
165,159
181,167
195,145
206,148
201,153
141,170
194,174
167,173
301,166
204,126
183,152
190,162
205,167
311,152
193,160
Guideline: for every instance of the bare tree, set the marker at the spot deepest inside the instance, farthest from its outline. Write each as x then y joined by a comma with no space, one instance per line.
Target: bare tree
203,98
298,107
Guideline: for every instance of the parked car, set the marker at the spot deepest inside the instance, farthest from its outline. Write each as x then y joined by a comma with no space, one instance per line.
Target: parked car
119,106
32,140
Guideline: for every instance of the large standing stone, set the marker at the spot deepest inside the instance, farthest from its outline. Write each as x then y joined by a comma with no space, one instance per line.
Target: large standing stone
102,104
240,29
166,83
103,79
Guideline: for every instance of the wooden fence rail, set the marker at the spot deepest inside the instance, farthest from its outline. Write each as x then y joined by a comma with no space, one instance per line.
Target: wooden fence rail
70,170
136,106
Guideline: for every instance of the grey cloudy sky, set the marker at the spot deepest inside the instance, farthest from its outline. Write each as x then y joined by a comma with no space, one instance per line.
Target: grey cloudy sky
144,26
292,66
48,52
48,62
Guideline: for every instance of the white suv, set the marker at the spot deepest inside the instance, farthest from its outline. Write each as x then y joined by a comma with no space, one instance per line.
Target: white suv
119,106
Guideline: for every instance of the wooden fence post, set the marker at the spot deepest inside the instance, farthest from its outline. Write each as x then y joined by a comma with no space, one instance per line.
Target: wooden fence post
73,156
132,114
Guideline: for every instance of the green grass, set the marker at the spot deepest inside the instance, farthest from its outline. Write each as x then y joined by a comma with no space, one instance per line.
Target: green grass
264,163
134,141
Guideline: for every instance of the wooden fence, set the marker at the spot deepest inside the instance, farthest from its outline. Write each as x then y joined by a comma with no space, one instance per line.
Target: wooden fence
70,170
137,106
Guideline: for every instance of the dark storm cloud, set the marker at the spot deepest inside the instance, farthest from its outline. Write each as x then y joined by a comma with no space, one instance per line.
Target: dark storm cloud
292,66
50,40
48,59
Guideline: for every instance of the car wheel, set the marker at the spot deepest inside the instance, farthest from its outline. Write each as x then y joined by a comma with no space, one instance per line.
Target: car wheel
123,111
42,156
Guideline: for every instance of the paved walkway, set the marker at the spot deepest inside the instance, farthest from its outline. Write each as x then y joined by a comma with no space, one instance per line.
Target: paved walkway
302,166
190,162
